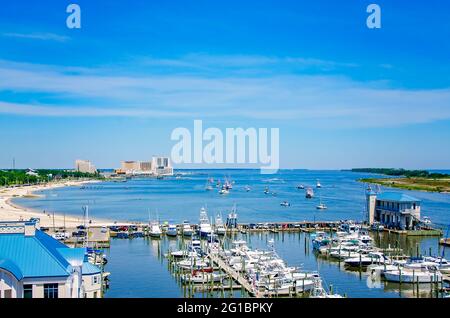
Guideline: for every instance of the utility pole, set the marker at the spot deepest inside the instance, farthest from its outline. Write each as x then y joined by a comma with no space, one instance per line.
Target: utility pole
14,163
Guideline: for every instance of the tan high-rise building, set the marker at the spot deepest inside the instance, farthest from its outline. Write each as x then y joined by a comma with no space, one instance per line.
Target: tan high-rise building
85,166
130,166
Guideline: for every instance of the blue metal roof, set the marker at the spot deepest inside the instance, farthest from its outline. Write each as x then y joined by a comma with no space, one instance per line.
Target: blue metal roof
40,256
35,256
396,197
90,269
11,267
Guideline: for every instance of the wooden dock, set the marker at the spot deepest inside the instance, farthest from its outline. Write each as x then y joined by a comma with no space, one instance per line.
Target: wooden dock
236,276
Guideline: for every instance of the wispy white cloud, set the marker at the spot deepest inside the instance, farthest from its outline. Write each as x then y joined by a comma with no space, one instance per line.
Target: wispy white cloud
327,100
37,36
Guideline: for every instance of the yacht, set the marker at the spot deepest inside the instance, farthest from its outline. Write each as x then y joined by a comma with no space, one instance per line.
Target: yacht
187,229
205,225
423,275
172,230
155,230
366,260
224,190
220,228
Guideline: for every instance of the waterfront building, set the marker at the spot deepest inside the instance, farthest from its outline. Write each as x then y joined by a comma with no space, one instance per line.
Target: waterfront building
130,167
393,209
35,265
85,166
146,166
161,166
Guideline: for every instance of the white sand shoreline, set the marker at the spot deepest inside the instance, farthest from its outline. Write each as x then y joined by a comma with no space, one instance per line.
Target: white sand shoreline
10,211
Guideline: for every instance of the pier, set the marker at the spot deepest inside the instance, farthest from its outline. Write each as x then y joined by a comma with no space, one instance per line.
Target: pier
236,276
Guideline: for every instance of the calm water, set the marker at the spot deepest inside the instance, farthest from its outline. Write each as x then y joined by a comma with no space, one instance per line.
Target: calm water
174,199
138,270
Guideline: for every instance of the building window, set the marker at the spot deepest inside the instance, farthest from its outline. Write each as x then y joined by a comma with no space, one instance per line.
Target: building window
27,291
95,294
50,290
95,279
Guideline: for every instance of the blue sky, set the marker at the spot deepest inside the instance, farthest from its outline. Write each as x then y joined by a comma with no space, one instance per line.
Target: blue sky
342,95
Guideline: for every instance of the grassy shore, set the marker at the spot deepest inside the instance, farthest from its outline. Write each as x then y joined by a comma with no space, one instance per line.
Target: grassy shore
419,184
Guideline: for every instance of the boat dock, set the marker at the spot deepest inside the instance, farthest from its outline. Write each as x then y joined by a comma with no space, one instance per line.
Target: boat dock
236,276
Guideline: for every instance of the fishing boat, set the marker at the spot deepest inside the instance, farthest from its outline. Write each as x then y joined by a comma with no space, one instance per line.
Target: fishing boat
423,275
187,229
155,230
285,204
172,230
319,292
204,225
309,194
201,277
366,260
220,228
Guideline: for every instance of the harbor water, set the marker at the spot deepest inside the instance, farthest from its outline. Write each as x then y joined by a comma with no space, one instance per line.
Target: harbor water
138,268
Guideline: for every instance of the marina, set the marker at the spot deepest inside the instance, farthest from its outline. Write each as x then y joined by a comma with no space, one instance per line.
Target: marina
230,246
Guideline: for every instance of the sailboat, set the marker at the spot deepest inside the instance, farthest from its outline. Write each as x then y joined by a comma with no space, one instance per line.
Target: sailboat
208,186
220,228
205,225
321,205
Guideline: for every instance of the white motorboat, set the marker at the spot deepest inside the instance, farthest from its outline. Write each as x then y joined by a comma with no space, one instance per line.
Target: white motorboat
155,229
300,187
224,191
184,254
193,263
172,230
285,204
266,190
220,228
318,185
204,226
187,229
202,278
366,260
413,276
309,194
426,220
247,188
319,292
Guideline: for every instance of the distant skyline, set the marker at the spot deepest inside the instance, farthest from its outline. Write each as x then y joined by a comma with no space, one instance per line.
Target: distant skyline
343,96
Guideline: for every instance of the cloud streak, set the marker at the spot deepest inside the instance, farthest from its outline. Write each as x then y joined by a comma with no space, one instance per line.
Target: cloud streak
326,100
37,36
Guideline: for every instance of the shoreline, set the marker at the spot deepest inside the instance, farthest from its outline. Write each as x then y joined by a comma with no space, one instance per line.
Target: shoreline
10,211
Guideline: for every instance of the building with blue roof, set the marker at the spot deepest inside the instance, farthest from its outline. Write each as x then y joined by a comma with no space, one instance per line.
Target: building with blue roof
393,209
35,265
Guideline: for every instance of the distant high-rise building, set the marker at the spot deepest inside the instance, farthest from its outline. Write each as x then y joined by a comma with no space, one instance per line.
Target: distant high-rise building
85,166
146,166
130,167
161,166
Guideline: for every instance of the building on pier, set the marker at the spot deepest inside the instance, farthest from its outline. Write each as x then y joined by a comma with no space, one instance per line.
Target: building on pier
393,209
35,265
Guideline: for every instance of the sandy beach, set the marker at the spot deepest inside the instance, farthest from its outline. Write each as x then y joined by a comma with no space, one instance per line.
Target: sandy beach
13,212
